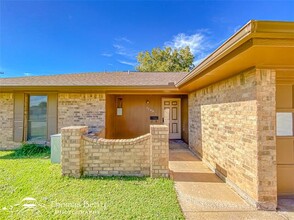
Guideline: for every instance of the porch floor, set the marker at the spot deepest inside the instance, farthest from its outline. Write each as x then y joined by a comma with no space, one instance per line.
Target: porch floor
202,194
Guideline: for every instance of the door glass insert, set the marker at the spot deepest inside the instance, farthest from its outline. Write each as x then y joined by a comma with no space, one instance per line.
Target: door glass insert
37,120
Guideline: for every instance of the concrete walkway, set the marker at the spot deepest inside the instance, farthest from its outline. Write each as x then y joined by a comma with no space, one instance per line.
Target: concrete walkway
202,195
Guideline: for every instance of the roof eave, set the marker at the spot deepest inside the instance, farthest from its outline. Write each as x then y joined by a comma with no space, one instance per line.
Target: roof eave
253,28
218,53
104,89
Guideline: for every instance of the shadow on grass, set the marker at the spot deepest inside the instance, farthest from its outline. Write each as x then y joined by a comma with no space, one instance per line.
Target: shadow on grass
28,150
13,155
115,178
16,155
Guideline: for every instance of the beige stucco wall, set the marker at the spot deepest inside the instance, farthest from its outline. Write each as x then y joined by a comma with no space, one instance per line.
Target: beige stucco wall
232,126
81,109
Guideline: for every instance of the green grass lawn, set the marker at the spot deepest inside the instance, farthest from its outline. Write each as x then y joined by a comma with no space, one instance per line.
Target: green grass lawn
33,188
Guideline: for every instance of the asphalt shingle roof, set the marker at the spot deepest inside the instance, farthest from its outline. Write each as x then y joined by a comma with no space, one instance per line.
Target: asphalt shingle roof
98,79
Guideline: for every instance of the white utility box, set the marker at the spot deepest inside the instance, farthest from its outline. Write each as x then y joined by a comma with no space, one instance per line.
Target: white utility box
55,148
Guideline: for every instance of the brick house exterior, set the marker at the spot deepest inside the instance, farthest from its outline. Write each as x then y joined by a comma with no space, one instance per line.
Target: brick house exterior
234,133
231,100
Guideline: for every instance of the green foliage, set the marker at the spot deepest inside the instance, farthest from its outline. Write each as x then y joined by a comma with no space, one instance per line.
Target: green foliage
166,60
38,182
32,150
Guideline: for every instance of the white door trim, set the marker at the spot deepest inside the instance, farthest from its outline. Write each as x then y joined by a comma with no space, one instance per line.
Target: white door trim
174,135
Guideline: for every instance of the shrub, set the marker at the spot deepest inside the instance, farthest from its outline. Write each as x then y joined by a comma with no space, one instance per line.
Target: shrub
32,149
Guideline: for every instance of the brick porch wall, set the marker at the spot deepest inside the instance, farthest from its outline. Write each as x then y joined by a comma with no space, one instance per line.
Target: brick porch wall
146,155
232,127
81,109
116,157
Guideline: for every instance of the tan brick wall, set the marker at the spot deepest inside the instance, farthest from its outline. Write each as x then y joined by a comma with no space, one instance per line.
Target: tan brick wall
76,109
6,118
159,155
72,152
232,127
117,157
6,121
94,156
266,136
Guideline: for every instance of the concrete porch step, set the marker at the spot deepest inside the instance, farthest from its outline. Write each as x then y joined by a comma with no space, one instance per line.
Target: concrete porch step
203,195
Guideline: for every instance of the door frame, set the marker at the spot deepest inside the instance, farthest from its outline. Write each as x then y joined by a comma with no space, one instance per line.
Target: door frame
285,142
179,136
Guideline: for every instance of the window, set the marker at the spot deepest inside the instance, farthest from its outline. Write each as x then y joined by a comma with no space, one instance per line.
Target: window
37,118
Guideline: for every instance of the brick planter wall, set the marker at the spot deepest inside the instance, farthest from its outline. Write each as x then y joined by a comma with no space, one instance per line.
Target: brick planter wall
146,155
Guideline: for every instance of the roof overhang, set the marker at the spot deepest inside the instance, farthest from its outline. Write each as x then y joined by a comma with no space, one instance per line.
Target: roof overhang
259,44
97,89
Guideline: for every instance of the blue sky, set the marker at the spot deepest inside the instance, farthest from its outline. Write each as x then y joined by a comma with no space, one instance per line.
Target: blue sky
52,37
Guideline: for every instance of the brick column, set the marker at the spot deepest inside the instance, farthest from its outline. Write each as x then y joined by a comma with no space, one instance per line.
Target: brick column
159,151
266,137
71,150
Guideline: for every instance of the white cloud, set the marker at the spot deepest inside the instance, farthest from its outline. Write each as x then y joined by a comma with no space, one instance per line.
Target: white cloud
124,48
106,54
118,46
194,41
127,63
124,39
199,43
125,51
120,49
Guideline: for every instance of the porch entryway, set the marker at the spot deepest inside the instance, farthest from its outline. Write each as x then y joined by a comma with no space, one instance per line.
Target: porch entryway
130,115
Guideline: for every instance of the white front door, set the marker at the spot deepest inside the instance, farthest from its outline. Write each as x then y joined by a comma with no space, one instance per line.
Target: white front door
174,107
